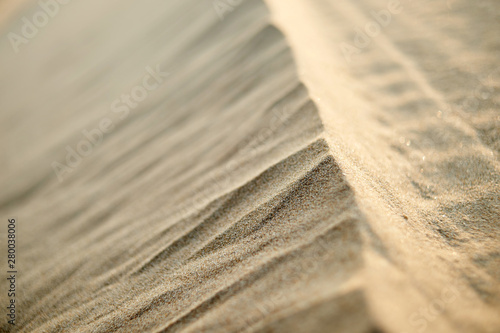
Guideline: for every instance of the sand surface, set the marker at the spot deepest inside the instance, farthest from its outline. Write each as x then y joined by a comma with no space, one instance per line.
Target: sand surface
270,182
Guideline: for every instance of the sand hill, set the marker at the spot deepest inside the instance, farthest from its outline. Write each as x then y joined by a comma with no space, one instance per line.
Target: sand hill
252,166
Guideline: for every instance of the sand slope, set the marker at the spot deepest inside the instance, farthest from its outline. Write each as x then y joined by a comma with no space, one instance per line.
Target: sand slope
266,184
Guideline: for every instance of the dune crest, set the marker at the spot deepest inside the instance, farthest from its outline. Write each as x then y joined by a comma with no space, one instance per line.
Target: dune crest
267,185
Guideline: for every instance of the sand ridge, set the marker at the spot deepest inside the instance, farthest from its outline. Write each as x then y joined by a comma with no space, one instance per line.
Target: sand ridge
267,185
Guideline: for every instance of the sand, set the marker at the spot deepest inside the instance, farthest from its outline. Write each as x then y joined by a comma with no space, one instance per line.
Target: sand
267,180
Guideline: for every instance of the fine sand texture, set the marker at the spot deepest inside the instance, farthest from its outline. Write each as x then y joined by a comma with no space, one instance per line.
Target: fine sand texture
293,166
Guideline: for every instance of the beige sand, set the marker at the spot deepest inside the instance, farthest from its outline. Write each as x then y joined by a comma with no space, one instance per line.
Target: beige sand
267,184
10,10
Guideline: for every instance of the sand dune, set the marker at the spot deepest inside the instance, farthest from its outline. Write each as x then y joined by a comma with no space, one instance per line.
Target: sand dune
182,167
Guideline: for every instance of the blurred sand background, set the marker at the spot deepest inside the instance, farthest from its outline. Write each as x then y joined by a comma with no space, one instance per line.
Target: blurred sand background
268,182
8,9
